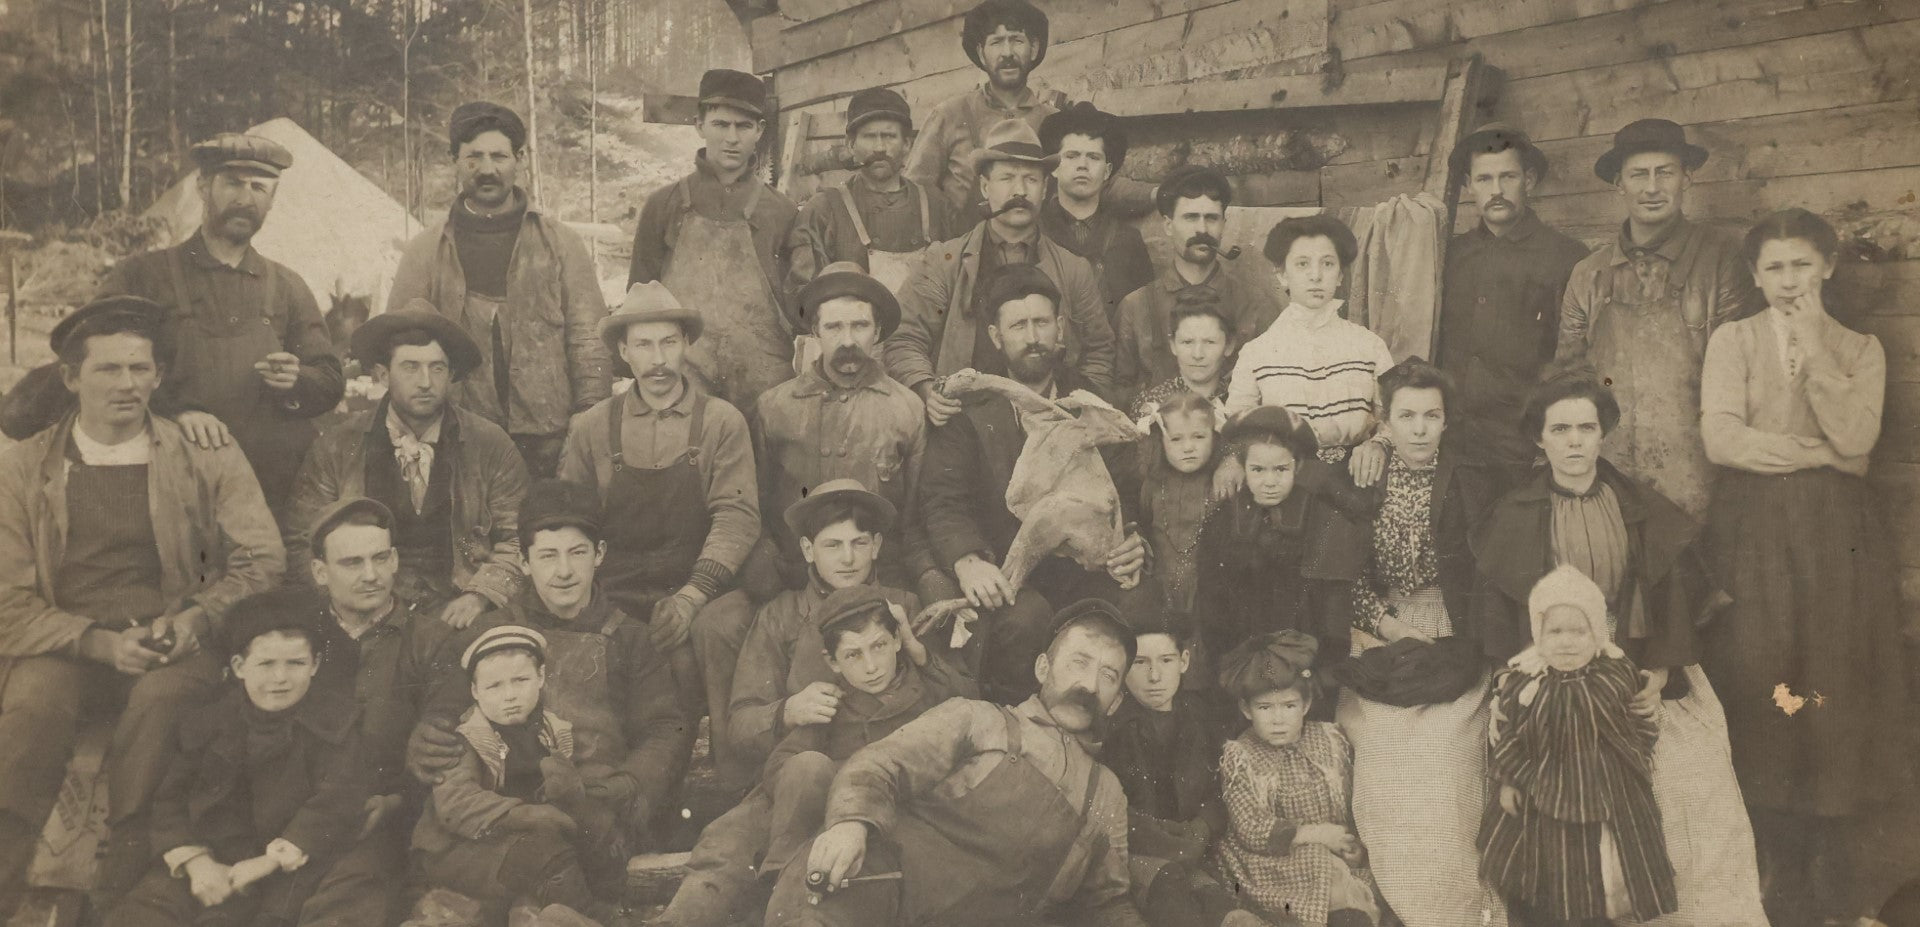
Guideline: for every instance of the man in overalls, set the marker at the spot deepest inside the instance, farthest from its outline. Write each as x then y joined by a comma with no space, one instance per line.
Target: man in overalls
452,480
716,238
875,219
1091,147
1640,309
122,547
253,363
1193,203
520,282
675,473
975,813
943,322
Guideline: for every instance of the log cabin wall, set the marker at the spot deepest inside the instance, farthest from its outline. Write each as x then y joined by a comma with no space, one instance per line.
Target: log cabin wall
1812,103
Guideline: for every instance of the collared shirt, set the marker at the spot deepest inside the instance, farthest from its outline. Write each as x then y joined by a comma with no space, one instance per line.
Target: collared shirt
1319,365
654,439
1144,332
1499,320
1107,241
133,452
942,155
950,751
1699,266
809,431
709,196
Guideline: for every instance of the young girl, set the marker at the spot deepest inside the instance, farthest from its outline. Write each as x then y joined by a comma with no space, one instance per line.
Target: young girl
1574,837
1290,845
1177,450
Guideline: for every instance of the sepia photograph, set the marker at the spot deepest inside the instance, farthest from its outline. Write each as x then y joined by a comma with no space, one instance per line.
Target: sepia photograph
960,463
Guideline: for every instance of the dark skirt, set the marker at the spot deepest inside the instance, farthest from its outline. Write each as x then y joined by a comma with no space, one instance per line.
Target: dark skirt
1816,608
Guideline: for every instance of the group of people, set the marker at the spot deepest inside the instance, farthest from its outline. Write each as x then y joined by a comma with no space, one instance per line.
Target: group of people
1381,640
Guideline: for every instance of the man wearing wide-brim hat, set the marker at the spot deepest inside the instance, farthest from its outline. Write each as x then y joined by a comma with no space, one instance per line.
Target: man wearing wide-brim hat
452,480
253,362
521,283
943,322
1639,310
841,417
716,238
1500,311
876,219
680,501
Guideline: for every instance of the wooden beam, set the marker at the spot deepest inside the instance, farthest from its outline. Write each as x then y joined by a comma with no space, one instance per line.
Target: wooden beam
1459,113
670,108
1409,85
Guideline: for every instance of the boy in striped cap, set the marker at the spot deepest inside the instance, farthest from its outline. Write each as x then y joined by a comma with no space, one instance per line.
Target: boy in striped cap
513,821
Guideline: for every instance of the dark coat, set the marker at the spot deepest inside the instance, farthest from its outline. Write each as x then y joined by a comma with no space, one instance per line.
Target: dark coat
863,719
1667,594
1173,789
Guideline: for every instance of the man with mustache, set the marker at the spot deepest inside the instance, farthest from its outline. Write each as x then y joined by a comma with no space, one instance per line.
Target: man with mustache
1193,202
519,282
944,315
1091,147
123,545
1500,310
674,470
254,364
877,219
842,417
963,491
452,480
987,814
717,238
1639,310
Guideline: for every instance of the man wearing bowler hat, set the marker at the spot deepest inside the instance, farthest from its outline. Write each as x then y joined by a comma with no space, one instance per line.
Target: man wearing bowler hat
943,316
452,480
519,282
876,219
717,237
674,470
1500,312
1639,310
842,417
252,360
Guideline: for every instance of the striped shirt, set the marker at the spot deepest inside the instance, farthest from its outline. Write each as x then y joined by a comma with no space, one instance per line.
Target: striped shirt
1320,366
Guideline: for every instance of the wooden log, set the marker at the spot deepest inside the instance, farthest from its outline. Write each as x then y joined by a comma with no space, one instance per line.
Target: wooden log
1411,85
652,878
1406,25
859,24
1741,201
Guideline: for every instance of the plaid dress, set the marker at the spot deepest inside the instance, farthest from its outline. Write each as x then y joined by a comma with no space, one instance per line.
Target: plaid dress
1272,791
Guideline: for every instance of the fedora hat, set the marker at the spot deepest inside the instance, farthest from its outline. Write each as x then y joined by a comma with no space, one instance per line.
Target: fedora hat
646,302
839,491
1496,137
1012,140
1648,135
373,341
845,278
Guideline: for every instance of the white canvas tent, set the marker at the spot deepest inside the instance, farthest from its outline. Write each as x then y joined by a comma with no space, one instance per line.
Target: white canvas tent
336,228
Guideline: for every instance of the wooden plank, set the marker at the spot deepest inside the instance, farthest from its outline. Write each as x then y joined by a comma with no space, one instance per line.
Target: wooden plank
862,23
1369,182
1406,25
1900,426
1278,188
1409,85
793,143
1900,338
1846,68
1742,201
1899,491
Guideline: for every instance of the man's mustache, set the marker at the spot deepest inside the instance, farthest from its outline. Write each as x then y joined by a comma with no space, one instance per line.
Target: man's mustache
1008,61
1499,200
848,354
1018,202
1202,238
658,371
245,212
873,159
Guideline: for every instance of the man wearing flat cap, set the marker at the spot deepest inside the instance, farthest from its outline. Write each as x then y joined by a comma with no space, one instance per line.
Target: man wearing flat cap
123,545
1639,310
876,219
1500,311
1091,146
1192,201
519,282
717,238
987,814
674,471
253,362
943,317
842,417
451,479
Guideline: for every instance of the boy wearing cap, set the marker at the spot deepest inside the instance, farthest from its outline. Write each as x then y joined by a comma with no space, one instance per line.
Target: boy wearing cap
123,546
1193,203
513,819
521,284
1080,216
944,312
1500,312
1639,310
253,363
717,238
257,820
451,480
876,219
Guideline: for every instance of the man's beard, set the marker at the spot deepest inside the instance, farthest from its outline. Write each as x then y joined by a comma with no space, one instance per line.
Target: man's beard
1034,364
1006,61
222,228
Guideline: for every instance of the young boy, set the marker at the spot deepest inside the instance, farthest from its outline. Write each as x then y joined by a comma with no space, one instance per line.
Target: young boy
504,824
884,678
1165,750
260,810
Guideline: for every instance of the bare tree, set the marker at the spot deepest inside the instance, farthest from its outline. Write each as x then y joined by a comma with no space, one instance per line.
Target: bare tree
126,110
533,108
